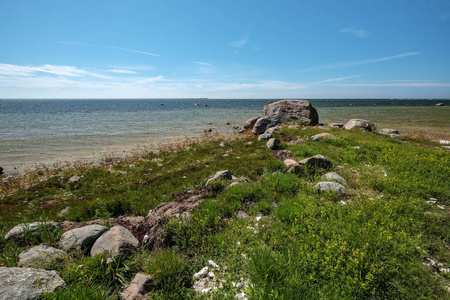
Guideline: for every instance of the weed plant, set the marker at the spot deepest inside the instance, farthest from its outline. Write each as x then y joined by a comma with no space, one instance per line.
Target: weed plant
372,242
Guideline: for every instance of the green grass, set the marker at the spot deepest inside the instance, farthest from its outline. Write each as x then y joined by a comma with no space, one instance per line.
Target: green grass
369,243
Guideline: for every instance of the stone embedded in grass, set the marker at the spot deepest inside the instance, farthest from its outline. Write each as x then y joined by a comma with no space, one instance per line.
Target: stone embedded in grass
388,131
317,161
74,178
40,256
264,137
242,215
118,241
329,186
293,166
395,136
261,125
323,136
336,125
359,124
81,237
28,284
273,143
139,287
331,176
219,175
271,130
202,273
18,231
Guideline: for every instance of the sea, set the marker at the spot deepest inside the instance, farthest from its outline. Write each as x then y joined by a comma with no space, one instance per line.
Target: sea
36,132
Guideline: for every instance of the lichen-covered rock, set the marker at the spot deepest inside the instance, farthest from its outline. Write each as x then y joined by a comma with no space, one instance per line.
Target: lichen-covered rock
40,256
291,110
271,130
329,186
18,231
81,237
317,161
261,125
323,136
264,137
225,174
336,125
359,124
27,284
273,143
388,131
293,166
118,241
331,176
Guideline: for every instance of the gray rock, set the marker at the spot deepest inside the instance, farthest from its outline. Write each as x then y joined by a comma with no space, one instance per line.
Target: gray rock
395,136
250,123
219,175
271,130
359,124
118,241
18,231
273,143
329,186
27,284
74,178
139,287
388,131
291,110
242,215
337,125
264,137
261,125
439,104
317,161
40,256
293,166
64,212
323,136
331,176
81,237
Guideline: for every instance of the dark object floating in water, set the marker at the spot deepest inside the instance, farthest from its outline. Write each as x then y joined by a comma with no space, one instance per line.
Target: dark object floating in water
162,104
228,123
206,104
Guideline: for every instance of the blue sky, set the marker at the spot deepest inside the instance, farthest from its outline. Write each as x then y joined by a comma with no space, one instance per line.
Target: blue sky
225,49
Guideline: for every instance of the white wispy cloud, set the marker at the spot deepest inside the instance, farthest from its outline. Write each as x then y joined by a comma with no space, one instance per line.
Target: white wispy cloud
17,70
73,43
335,79
357,32
122,71
150,80
130,50
362,62
399,84
240,43
204,64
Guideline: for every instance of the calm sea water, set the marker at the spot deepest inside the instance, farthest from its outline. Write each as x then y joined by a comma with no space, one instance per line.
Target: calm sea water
46,131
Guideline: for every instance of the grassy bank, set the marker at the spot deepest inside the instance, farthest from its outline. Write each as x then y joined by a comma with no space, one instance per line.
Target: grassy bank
375,241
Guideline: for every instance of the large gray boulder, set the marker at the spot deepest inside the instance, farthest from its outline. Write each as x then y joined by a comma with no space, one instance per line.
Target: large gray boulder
329,186
261,125
81,237
291,110
359,124
27,284
18,231
317,161
118,241
40,256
